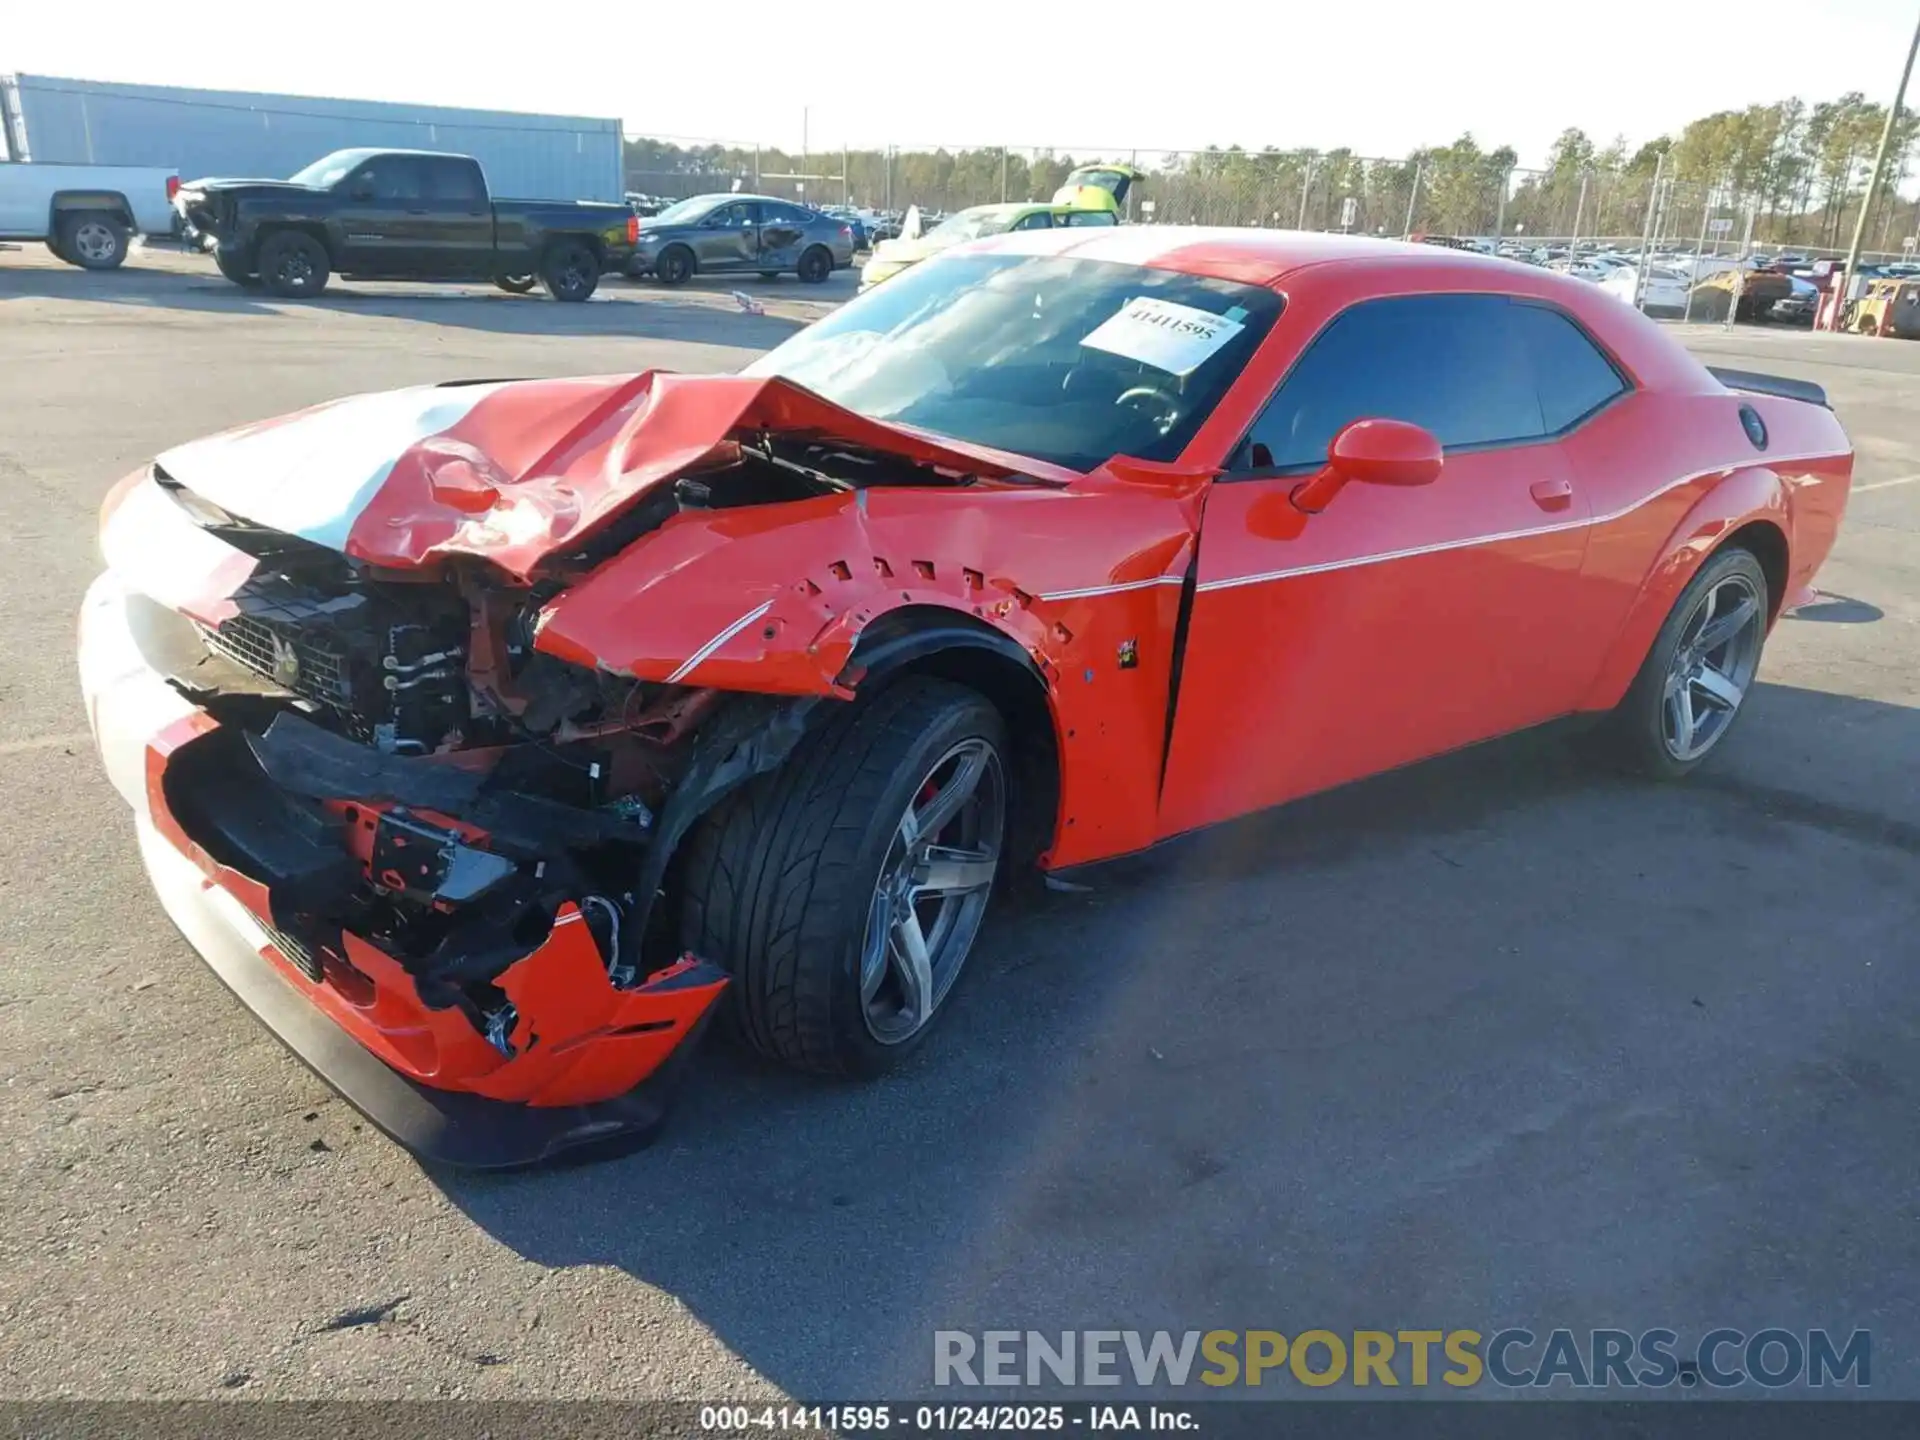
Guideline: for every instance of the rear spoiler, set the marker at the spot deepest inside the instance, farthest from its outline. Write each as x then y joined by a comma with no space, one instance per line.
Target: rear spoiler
1780,385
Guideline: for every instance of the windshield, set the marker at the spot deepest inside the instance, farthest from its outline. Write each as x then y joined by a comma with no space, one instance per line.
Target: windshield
329,169
972,224
686,212
1069,361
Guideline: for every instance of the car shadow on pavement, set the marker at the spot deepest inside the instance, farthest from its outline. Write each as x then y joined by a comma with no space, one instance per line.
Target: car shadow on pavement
619,309
1451,1025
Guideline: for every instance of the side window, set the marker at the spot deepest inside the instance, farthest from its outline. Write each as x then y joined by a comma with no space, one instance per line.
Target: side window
393,177
1574,378
1039,220
784,215
1452,363
1090,217
735,217
453,182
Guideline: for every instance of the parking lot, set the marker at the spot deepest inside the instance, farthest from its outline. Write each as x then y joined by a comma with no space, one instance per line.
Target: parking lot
1499,1040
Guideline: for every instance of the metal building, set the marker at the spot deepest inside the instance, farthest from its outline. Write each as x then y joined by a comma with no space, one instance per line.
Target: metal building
235,133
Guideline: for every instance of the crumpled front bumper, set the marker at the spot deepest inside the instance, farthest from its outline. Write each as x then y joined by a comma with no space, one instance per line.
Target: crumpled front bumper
593,1064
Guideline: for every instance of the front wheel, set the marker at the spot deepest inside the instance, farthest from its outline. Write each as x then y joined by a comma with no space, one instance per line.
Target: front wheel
675,265
1694,681
570,271
843,891
293,265
816,265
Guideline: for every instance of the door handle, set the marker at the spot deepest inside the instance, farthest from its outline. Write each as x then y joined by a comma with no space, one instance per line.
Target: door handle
1551,494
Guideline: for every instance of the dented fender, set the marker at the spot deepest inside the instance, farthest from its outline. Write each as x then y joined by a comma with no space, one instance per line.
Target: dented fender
773,599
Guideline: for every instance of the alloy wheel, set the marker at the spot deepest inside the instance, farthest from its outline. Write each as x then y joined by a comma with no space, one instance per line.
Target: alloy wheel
1713,665
932,891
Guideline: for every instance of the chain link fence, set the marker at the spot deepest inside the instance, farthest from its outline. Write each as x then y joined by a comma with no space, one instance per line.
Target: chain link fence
1473,197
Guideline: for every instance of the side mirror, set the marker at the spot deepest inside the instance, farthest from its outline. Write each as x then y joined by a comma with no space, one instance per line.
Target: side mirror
1373,452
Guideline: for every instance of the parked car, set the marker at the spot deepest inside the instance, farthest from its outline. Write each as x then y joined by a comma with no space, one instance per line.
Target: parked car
892,256
87,215
740,234
1890,307
853,220
1662,292
402,215
522,723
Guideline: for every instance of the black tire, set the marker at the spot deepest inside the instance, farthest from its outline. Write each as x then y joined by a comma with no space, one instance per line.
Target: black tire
781,878
93,240
234,266
1635,733
293,265
570,271
516,284
674,265
815,265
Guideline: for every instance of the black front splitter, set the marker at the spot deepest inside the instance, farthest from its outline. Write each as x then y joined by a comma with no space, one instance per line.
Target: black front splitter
441,1126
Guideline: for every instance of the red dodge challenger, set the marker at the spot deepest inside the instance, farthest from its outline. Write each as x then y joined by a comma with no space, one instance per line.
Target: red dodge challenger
485,737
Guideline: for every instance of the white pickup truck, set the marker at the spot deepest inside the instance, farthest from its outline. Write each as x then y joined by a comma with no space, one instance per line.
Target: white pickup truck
86,214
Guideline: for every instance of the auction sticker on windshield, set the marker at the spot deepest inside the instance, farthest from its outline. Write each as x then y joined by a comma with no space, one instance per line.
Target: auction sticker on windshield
1168,336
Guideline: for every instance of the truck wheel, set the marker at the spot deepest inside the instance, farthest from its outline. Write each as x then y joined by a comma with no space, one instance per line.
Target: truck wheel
232,264
675,265
515,284
843,891
816,265
293,264
570,270
93,240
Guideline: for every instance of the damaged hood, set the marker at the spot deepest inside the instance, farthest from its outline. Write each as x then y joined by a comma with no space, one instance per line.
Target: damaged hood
514,472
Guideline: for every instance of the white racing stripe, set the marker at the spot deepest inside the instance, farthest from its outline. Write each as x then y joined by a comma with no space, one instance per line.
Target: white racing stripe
311,476
694,660
1233,581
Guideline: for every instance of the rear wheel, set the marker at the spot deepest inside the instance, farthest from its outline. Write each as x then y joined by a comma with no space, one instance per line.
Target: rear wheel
843,891
293,265
1694,681
515,284
570,270
93,240
816,265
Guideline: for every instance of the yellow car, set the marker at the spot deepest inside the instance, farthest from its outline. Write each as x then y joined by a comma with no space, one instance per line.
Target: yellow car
890,257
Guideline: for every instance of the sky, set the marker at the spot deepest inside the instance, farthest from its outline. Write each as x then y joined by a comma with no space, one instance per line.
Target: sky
1380,76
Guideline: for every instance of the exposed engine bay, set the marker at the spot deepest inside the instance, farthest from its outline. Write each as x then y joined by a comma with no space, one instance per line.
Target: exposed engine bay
398,762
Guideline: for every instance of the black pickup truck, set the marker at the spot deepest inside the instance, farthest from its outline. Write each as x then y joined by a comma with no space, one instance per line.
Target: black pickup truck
402,215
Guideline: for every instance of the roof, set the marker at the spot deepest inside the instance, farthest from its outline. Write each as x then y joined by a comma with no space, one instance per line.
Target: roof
1259,257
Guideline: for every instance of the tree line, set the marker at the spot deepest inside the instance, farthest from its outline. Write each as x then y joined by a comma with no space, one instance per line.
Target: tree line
1792,172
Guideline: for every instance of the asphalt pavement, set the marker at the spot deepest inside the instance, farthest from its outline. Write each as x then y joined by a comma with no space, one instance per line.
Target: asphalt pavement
1498,1040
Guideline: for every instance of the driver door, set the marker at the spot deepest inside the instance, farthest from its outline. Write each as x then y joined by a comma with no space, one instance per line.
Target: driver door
729,238
1396,623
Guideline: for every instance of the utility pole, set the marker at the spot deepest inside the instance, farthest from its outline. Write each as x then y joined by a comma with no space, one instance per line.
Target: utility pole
1413,197
1306,188
1693,270
1646,232
1873,181
846,175
1500,214
1579,213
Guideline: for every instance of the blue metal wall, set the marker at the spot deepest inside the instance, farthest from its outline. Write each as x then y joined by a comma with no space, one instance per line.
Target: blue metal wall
234,133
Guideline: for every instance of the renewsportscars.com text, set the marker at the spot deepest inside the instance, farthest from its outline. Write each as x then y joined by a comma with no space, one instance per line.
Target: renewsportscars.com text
1513,1358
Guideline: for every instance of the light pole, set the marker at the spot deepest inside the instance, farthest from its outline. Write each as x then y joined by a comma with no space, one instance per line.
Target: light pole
1873,181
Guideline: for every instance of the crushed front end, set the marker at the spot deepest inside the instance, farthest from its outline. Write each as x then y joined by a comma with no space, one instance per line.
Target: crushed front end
424,854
